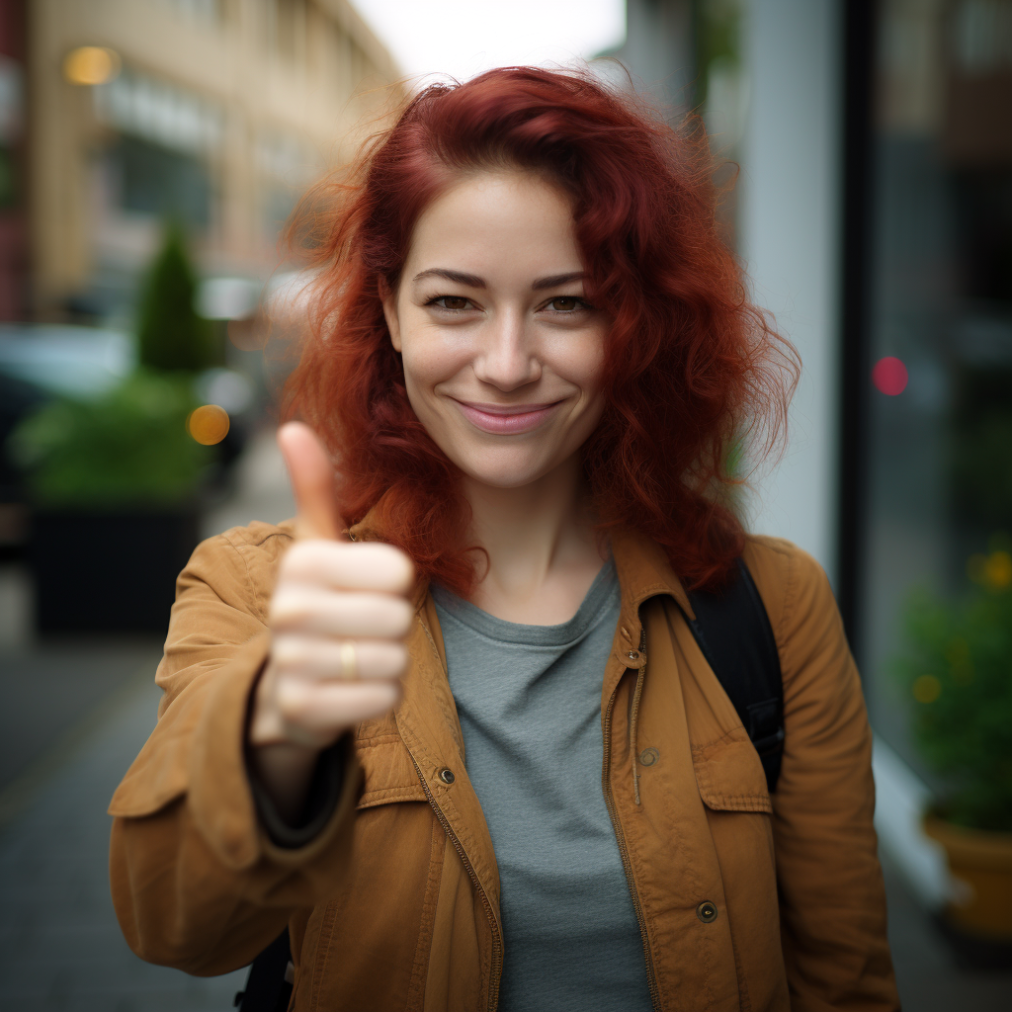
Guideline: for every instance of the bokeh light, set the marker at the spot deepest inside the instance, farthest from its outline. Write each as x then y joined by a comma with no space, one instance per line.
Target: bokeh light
90,65
993,570
998,570
208,424
890,376
927,689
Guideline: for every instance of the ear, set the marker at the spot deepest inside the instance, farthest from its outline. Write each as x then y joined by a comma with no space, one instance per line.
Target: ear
389,300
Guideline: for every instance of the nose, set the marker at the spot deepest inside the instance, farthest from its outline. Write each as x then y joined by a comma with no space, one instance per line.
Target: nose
507,357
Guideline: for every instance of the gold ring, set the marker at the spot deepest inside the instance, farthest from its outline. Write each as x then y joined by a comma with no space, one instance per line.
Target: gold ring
349,660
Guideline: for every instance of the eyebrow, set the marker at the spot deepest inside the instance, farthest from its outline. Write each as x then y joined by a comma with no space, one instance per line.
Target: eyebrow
473,281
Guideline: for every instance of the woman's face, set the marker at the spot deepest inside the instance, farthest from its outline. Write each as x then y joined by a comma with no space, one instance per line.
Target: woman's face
502,354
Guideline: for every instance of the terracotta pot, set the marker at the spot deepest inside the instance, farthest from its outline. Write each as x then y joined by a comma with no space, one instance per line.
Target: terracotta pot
980,861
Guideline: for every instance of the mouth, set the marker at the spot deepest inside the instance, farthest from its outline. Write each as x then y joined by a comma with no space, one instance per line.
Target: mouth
506,419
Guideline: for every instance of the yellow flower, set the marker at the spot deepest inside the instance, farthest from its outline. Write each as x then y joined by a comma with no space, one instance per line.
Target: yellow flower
927,689
998,570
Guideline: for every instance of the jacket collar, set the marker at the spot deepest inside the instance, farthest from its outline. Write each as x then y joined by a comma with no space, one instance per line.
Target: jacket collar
644,571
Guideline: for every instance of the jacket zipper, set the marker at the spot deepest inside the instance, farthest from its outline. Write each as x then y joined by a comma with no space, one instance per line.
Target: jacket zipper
655,993
493,998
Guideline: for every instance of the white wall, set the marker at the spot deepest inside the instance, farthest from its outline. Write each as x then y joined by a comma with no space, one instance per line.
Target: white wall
790,237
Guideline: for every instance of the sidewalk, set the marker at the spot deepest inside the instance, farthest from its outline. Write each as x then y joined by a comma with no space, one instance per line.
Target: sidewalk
77,713
60,945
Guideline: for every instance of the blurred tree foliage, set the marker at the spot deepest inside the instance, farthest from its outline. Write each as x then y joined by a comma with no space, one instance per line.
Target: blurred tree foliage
957,669
170,333
129,448
717,34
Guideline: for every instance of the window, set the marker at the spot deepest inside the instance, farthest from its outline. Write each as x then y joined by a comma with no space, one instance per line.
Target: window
150,180
939,424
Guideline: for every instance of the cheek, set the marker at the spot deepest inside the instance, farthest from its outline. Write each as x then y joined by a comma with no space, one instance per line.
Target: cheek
429,359
583,364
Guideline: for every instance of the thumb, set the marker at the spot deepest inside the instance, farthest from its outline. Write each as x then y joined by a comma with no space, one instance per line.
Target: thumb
312,478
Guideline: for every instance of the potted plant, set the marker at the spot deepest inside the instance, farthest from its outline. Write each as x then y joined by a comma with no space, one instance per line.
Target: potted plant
114,483
171,335
957,670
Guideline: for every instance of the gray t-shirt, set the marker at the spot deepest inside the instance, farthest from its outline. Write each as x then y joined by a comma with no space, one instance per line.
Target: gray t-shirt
529,699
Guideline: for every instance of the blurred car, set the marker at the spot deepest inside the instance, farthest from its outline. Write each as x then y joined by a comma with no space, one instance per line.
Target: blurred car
39,362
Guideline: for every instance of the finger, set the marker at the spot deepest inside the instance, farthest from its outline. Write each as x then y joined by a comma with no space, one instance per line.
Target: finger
343,566
312,478
360,615
310,658
317,707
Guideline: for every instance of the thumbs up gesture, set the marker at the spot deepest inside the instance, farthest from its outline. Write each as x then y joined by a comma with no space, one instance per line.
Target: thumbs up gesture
337,618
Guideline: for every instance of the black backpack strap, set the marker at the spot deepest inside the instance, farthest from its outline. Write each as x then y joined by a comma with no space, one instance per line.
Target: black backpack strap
734,633
269,984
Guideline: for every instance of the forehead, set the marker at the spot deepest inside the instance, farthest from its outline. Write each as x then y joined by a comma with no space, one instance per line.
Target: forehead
488,221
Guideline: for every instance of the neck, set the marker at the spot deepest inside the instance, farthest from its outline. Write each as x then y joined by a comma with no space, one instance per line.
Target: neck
540,544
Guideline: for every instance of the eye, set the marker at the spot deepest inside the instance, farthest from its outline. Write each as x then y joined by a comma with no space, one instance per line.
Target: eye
456,302
566,304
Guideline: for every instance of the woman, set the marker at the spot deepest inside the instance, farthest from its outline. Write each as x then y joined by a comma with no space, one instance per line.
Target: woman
467,748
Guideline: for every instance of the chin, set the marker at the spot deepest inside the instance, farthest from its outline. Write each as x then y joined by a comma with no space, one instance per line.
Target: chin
503,474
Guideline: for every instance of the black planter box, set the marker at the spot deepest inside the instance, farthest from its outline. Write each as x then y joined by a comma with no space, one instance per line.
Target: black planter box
109,572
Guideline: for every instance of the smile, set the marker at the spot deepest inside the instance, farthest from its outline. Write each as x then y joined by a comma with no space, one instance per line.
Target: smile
501,419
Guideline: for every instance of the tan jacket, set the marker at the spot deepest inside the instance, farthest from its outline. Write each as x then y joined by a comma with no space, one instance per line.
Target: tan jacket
395,905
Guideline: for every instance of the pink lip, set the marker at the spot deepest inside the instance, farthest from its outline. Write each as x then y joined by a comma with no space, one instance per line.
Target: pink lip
502,419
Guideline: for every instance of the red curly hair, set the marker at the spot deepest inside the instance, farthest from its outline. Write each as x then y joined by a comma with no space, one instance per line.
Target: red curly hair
692,368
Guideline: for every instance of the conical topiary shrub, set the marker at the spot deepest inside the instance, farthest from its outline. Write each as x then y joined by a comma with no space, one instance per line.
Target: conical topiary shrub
170,333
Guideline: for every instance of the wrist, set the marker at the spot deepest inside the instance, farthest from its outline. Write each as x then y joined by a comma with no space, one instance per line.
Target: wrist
284,771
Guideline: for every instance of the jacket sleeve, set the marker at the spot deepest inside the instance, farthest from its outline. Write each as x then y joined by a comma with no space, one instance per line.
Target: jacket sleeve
196,881
832,897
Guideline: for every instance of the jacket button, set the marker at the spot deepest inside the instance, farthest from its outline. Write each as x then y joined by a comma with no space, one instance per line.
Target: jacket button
446,775
633,655
706,911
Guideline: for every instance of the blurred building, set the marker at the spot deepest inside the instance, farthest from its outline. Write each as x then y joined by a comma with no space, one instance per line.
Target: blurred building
875,219
216,113
13,210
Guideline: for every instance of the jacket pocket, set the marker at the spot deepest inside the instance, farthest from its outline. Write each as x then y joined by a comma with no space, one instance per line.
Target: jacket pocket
730,775
389,773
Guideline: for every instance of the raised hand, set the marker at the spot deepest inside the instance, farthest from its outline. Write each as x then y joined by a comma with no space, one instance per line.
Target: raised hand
338,616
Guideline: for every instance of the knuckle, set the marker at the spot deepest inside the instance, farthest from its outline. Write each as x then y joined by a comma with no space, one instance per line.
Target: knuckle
294,702
287,607
289,651
388,660
297,559
398,659
401,614
395,569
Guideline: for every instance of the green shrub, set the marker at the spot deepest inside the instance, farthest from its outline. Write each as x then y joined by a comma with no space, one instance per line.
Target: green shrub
957,671
170,333
130,447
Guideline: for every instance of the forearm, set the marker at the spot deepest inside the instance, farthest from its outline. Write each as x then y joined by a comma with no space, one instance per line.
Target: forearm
197,881
179,905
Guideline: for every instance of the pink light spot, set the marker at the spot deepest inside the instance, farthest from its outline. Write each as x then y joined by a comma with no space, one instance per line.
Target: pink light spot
890,376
